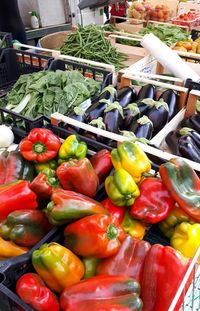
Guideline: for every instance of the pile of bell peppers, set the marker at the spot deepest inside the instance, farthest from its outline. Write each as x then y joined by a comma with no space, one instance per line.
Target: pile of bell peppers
32,183
102,259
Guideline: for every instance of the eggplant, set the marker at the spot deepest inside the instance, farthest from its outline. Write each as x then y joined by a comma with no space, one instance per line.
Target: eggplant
188,149
80,118
126,96
185,131
170,97
143,128
192,122
113,117
172,140
195,122
159,115
108,95
145,105
147,91
131,114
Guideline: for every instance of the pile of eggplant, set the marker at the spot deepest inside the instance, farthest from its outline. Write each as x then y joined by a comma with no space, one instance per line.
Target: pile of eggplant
185,141
124,110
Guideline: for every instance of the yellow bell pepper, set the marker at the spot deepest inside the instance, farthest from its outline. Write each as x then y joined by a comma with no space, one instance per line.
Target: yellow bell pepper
9,249
131,158
186,238
133,227
176,217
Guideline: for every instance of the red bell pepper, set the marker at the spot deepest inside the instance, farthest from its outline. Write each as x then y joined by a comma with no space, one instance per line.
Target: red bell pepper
79,176
94,236
16,196
128,261
100,293
102,164
32,290
40,145
44,183
114,210
96,307
66,206
25,227
14,167
183,184
154,203
163,273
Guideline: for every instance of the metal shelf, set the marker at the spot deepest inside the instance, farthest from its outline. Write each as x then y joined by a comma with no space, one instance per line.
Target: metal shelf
35,34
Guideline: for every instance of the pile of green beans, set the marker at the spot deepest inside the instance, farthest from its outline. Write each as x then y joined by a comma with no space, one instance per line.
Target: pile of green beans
89,42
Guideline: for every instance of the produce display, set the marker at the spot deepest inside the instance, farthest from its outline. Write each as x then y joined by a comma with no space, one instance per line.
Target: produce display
101,255
168,34
190,19
126,111
188,46
160,13
87,222
80,43
185,140
139,10
45,92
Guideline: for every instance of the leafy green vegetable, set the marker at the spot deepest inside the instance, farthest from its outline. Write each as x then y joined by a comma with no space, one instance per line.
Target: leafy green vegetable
167,34
49,92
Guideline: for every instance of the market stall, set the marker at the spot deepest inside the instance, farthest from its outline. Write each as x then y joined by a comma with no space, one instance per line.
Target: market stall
100,164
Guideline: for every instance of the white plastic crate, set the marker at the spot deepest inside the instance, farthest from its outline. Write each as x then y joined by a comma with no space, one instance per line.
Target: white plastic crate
51,12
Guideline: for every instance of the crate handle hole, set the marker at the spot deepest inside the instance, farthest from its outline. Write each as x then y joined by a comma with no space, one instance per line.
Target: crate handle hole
2,278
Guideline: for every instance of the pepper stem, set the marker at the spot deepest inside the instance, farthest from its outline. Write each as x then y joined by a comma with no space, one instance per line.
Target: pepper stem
39,148
112,232
50,205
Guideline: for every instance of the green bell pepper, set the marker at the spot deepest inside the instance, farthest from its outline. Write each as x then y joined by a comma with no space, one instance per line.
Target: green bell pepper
72,148
121,188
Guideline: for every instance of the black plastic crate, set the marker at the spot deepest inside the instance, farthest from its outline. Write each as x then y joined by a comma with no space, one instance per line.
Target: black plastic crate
5,40
12,269
192,85
10,273
14,63
95,73
21,126
195,34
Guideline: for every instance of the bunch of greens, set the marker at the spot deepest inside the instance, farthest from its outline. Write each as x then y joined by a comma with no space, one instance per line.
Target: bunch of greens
45,92
168,34
110,27
89,42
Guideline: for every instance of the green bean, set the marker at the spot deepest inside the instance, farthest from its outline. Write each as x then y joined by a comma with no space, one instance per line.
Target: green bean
89,42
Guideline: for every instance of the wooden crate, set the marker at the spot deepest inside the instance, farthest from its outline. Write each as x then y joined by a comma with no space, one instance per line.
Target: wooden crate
133,53
189,110
128,26
172,83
